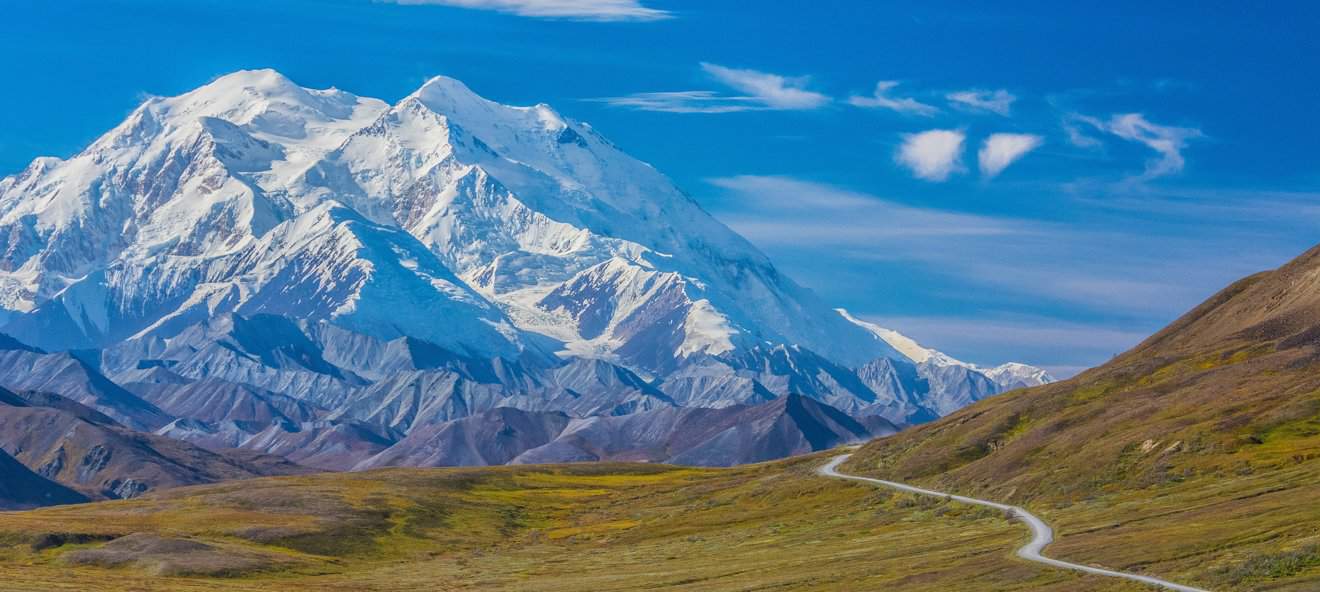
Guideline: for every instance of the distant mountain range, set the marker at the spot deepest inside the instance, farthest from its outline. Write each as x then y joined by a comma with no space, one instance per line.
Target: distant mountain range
255,268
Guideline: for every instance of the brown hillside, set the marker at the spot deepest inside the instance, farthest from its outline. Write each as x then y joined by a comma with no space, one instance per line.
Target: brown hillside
1199,447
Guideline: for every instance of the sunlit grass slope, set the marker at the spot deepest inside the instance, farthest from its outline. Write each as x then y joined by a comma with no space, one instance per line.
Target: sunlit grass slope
775,526
1194,456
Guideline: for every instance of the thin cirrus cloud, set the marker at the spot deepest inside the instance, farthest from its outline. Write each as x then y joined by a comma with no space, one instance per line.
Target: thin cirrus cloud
585,10
1000,150
758,91
782,210
1076,136
684,101
881,99
1167,141
1004,253
932,155
1138,266
997,101
772,90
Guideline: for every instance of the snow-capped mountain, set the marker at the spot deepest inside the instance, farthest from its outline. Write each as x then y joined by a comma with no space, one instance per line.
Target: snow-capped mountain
950,383
569,236
1015,375
573,238
395,266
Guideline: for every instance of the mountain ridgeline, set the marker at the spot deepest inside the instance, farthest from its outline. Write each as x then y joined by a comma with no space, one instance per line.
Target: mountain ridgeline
1229,388
265,273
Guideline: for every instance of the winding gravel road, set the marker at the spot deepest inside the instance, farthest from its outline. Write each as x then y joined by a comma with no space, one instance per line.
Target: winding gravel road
1041,533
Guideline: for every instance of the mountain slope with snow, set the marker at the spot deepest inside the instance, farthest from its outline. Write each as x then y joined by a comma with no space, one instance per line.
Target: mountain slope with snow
1007,376
521,202
575,239
339,272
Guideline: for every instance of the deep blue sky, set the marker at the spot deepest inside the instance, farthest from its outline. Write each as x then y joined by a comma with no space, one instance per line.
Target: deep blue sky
1072,253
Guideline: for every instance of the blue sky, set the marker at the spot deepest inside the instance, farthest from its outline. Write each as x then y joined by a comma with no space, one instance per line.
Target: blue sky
1137,155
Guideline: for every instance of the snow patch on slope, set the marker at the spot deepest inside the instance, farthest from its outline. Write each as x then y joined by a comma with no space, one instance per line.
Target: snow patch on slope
1006,376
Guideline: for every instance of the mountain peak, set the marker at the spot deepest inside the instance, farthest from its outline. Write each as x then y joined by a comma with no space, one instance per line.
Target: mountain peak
452,98
244,86
264,78
268,103
446,85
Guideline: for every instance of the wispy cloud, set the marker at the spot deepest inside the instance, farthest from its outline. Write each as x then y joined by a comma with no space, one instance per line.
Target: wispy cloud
880,99
789,209
932,155
1000,150
772,90
759,91
1274,210
1129,272
1167,141
1120,264
688,101
997,101
587,10
1072,127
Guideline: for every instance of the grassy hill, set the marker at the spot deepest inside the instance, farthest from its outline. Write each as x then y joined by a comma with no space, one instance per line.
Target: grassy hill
774,526
1197,452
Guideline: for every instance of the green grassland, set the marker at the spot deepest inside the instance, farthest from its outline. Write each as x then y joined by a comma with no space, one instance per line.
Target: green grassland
774,526
1201,466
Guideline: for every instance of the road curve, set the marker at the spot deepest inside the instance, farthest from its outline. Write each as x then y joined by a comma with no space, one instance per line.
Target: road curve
1041,533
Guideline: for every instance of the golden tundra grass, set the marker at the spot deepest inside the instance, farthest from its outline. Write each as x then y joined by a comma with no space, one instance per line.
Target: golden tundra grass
615,527
1203,468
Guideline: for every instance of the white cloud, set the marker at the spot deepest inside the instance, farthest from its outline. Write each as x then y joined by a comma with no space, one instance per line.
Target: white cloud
999,101
1077,138
932,155
880,100
761,91
772,90
589,10
684,101
1167,141
1001,150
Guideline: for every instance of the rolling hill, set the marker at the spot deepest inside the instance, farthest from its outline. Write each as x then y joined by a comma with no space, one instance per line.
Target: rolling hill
1198,447
555,528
